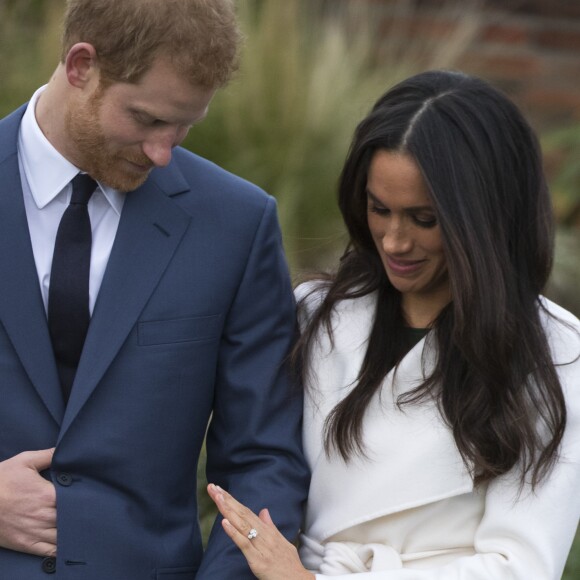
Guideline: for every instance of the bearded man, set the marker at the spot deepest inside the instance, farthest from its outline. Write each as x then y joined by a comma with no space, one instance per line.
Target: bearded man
145,300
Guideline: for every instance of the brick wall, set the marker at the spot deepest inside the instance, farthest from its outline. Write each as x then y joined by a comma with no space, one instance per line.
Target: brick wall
529,48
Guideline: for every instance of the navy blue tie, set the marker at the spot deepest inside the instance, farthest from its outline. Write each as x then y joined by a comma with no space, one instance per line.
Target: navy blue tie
68,295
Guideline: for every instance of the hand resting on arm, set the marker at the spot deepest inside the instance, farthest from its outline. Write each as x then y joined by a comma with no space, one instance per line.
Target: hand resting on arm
269,554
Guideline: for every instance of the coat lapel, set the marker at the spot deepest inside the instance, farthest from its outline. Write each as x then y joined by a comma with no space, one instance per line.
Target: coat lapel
410,458
150,230
21,308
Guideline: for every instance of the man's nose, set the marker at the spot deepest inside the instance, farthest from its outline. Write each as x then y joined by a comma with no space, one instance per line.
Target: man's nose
158,148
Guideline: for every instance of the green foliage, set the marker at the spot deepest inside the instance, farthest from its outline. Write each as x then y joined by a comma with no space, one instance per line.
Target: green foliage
561,147
308,76
206,508
565,279
572,570
29,47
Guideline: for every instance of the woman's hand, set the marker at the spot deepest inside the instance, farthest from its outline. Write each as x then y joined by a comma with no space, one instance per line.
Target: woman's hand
269,554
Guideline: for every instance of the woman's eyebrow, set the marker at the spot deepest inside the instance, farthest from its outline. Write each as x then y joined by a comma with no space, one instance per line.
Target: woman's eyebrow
410,208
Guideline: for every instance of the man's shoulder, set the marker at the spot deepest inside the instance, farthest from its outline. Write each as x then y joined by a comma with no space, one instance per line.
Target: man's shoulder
205,191
204,175
15,115
13,119
9,126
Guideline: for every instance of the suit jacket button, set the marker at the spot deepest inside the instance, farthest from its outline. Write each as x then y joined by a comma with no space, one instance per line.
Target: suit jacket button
64,479
49,565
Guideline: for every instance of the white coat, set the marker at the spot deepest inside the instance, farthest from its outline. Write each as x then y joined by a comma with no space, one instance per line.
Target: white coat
409,510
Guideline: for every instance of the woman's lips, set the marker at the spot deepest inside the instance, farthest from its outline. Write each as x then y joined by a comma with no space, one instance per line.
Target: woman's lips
403,267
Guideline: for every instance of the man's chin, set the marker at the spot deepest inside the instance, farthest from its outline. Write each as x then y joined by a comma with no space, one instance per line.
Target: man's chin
125,183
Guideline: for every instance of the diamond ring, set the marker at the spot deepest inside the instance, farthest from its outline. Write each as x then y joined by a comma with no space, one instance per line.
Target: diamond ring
253,533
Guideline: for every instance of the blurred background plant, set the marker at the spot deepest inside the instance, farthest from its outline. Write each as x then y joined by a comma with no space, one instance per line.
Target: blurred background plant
311,69
562,148
562,151
29,47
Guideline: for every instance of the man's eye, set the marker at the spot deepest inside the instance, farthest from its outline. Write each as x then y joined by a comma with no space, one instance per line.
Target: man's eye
147,121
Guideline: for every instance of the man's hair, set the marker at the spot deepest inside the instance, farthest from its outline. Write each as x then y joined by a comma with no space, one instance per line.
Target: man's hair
200,37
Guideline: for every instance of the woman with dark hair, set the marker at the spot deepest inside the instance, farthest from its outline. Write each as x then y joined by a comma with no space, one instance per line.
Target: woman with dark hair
442,417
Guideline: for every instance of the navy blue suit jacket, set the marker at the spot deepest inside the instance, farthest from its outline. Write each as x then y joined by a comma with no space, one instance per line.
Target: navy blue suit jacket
192,323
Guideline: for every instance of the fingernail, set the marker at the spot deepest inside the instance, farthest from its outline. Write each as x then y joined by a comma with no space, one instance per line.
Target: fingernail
218,491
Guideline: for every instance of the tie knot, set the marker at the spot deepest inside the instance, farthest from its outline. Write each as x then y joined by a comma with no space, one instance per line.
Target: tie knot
83,187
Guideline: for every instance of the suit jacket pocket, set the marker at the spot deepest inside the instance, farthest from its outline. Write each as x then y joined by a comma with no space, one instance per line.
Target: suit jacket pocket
197,328
176,573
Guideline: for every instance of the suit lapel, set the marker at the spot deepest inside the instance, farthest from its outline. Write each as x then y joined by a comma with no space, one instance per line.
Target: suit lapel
150,230
21,308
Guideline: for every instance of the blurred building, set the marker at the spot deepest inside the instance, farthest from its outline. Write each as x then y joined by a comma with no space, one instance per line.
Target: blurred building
530,48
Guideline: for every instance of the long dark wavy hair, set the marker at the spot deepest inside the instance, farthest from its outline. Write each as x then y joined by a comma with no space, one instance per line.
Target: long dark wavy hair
494,379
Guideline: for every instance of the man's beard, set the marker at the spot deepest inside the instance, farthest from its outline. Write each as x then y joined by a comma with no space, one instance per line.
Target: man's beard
93,153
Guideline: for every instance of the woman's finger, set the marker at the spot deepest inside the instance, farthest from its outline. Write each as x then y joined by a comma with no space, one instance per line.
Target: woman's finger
269,555
239,539
240,517
264,515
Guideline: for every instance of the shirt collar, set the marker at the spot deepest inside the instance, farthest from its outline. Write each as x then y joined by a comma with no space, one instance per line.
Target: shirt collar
47,171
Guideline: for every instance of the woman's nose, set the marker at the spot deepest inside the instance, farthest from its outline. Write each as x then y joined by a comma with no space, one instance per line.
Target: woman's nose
396,240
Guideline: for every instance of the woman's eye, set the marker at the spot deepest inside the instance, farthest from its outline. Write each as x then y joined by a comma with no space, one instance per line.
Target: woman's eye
425,221
378,210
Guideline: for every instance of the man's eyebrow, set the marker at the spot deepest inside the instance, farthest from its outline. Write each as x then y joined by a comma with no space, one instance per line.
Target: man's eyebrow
146,113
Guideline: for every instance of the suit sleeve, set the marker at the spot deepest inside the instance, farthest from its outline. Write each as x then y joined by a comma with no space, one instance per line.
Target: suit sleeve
254,446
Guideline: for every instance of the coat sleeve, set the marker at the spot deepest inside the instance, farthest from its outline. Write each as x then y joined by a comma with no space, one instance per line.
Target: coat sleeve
254,446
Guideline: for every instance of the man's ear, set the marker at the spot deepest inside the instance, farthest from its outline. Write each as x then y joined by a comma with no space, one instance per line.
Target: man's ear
81,64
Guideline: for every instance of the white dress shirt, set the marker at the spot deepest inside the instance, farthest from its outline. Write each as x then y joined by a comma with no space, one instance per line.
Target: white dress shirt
46,177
